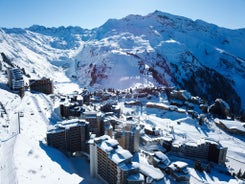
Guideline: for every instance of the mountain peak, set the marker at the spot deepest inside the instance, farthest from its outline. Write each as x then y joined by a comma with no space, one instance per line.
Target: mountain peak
155,49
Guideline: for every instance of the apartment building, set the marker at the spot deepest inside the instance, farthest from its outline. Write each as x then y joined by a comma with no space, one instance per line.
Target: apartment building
71,106
69,136
203,149
94,119
15,78
43,85
128,137
111,163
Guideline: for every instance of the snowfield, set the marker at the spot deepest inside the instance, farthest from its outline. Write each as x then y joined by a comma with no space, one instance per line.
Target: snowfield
25,157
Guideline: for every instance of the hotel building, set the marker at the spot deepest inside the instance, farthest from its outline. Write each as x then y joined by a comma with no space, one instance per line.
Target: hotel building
69,136
112,164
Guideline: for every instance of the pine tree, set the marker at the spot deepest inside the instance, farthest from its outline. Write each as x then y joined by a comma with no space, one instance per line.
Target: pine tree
198,165
243,176
6,59
239,174
208,168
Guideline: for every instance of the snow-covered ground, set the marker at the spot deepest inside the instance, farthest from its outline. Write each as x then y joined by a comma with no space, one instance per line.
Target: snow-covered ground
27,159
24,157
34,161
8,133
184,128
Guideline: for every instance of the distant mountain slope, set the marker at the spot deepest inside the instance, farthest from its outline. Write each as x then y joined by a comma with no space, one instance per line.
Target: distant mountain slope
163,49
156,49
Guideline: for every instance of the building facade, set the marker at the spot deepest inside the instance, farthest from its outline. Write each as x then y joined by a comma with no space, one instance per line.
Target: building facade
69,136
111,163
70,110
71,106
15,78
203,149
43,85
94,119
128,138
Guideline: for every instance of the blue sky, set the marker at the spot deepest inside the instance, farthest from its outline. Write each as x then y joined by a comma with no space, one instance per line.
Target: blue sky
93,13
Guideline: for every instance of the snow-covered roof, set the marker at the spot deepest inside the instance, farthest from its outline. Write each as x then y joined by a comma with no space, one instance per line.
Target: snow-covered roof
112,142
91,114
79,97
196,143
157,105
161,159
136,177
105,147
232,124
160,155
155,138
61,126
211,141
191,143
109,117
178,165
150,171
127,167
154,147
115,152
120,155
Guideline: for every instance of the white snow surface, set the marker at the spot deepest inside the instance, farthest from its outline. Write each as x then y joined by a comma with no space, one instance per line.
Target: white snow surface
25,157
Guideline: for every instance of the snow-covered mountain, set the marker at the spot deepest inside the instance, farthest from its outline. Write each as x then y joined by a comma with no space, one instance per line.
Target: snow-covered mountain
157,49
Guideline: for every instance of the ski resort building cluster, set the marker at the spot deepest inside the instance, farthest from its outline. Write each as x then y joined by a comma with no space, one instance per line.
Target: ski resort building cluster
123,147
112,141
